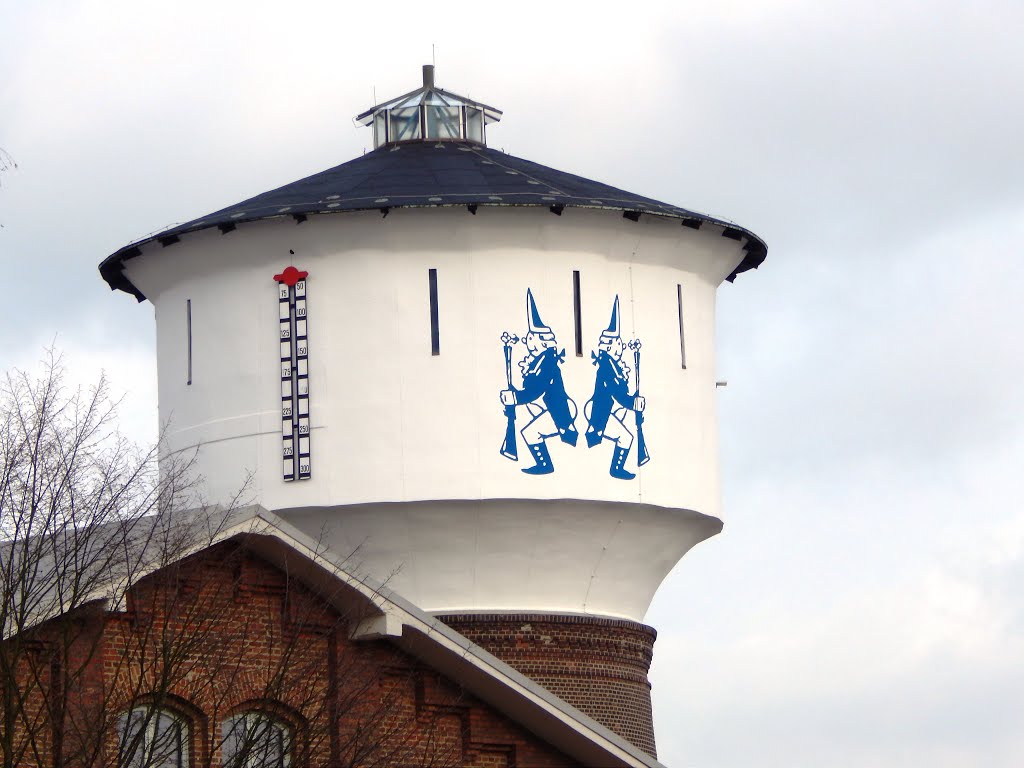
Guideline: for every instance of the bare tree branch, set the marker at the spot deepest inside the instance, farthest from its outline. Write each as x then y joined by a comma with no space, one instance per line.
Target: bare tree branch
134,620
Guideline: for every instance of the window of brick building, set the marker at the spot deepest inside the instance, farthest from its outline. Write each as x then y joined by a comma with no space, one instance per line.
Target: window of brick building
256,740
153,738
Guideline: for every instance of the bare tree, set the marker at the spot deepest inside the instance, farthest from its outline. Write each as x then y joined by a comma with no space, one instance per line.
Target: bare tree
82,513
7,165
6,162
136,633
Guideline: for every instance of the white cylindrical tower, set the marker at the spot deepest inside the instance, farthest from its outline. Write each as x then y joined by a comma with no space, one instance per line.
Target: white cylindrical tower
490,381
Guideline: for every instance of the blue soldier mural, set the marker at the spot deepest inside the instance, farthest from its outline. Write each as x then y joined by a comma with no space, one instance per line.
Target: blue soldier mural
542,396
611,403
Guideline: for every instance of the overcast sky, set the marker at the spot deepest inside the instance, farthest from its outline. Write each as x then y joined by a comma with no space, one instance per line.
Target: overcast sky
865,603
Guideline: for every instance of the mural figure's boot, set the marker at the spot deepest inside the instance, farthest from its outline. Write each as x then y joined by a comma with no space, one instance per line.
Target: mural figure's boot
570,435
618,464
543,459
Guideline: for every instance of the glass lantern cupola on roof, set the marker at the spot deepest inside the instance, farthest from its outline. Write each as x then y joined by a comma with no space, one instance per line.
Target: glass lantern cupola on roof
429,114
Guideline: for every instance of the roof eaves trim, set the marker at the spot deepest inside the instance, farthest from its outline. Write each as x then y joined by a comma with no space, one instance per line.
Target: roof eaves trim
112,268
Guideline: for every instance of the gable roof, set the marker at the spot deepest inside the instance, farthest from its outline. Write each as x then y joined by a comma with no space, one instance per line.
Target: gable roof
389,617
428,174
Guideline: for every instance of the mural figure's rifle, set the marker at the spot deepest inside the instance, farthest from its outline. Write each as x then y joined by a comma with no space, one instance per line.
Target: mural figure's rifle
508,448
642,455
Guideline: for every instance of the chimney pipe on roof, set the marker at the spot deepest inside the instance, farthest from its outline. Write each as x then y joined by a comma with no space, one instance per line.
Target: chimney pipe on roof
428,75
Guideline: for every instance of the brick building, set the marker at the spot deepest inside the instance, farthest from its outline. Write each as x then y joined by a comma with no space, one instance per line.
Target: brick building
255,647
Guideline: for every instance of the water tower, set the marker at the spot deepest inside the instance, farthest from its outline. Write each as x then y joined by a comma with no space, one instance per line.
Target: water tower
491,381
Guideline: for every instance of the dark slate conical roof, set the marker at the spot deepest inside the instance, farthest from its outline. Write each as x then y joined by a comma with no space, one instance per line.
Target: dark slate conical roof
427,174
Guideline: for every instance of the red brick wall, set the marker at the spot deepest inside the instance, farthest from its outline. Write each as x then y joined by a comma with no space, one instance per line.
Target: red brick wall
227,632
597,665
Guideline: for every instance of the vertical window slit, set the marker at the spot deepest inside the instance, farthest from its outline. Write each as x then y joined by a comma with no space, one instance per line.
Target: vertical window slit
188,332
682,337
577,312
435,336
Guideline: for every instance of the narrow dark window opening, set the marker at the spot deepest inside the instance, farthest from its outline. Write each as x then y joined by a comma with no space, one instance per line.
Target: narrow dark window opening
682,337
435,336
188,331
577,312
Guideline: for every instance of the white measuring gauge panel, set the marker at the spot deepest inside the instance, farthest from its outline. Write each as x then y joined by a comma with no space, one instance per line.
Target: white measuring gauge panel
291,295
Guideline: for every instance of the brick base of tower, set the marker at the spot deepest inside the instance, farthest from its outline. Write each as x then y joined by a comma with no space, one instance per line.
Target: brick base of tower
598,665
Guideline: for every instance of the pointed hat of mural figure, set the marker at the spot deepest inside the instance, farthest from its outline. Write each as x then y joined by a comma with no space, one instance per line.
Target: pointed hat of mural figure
612,332
533,321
